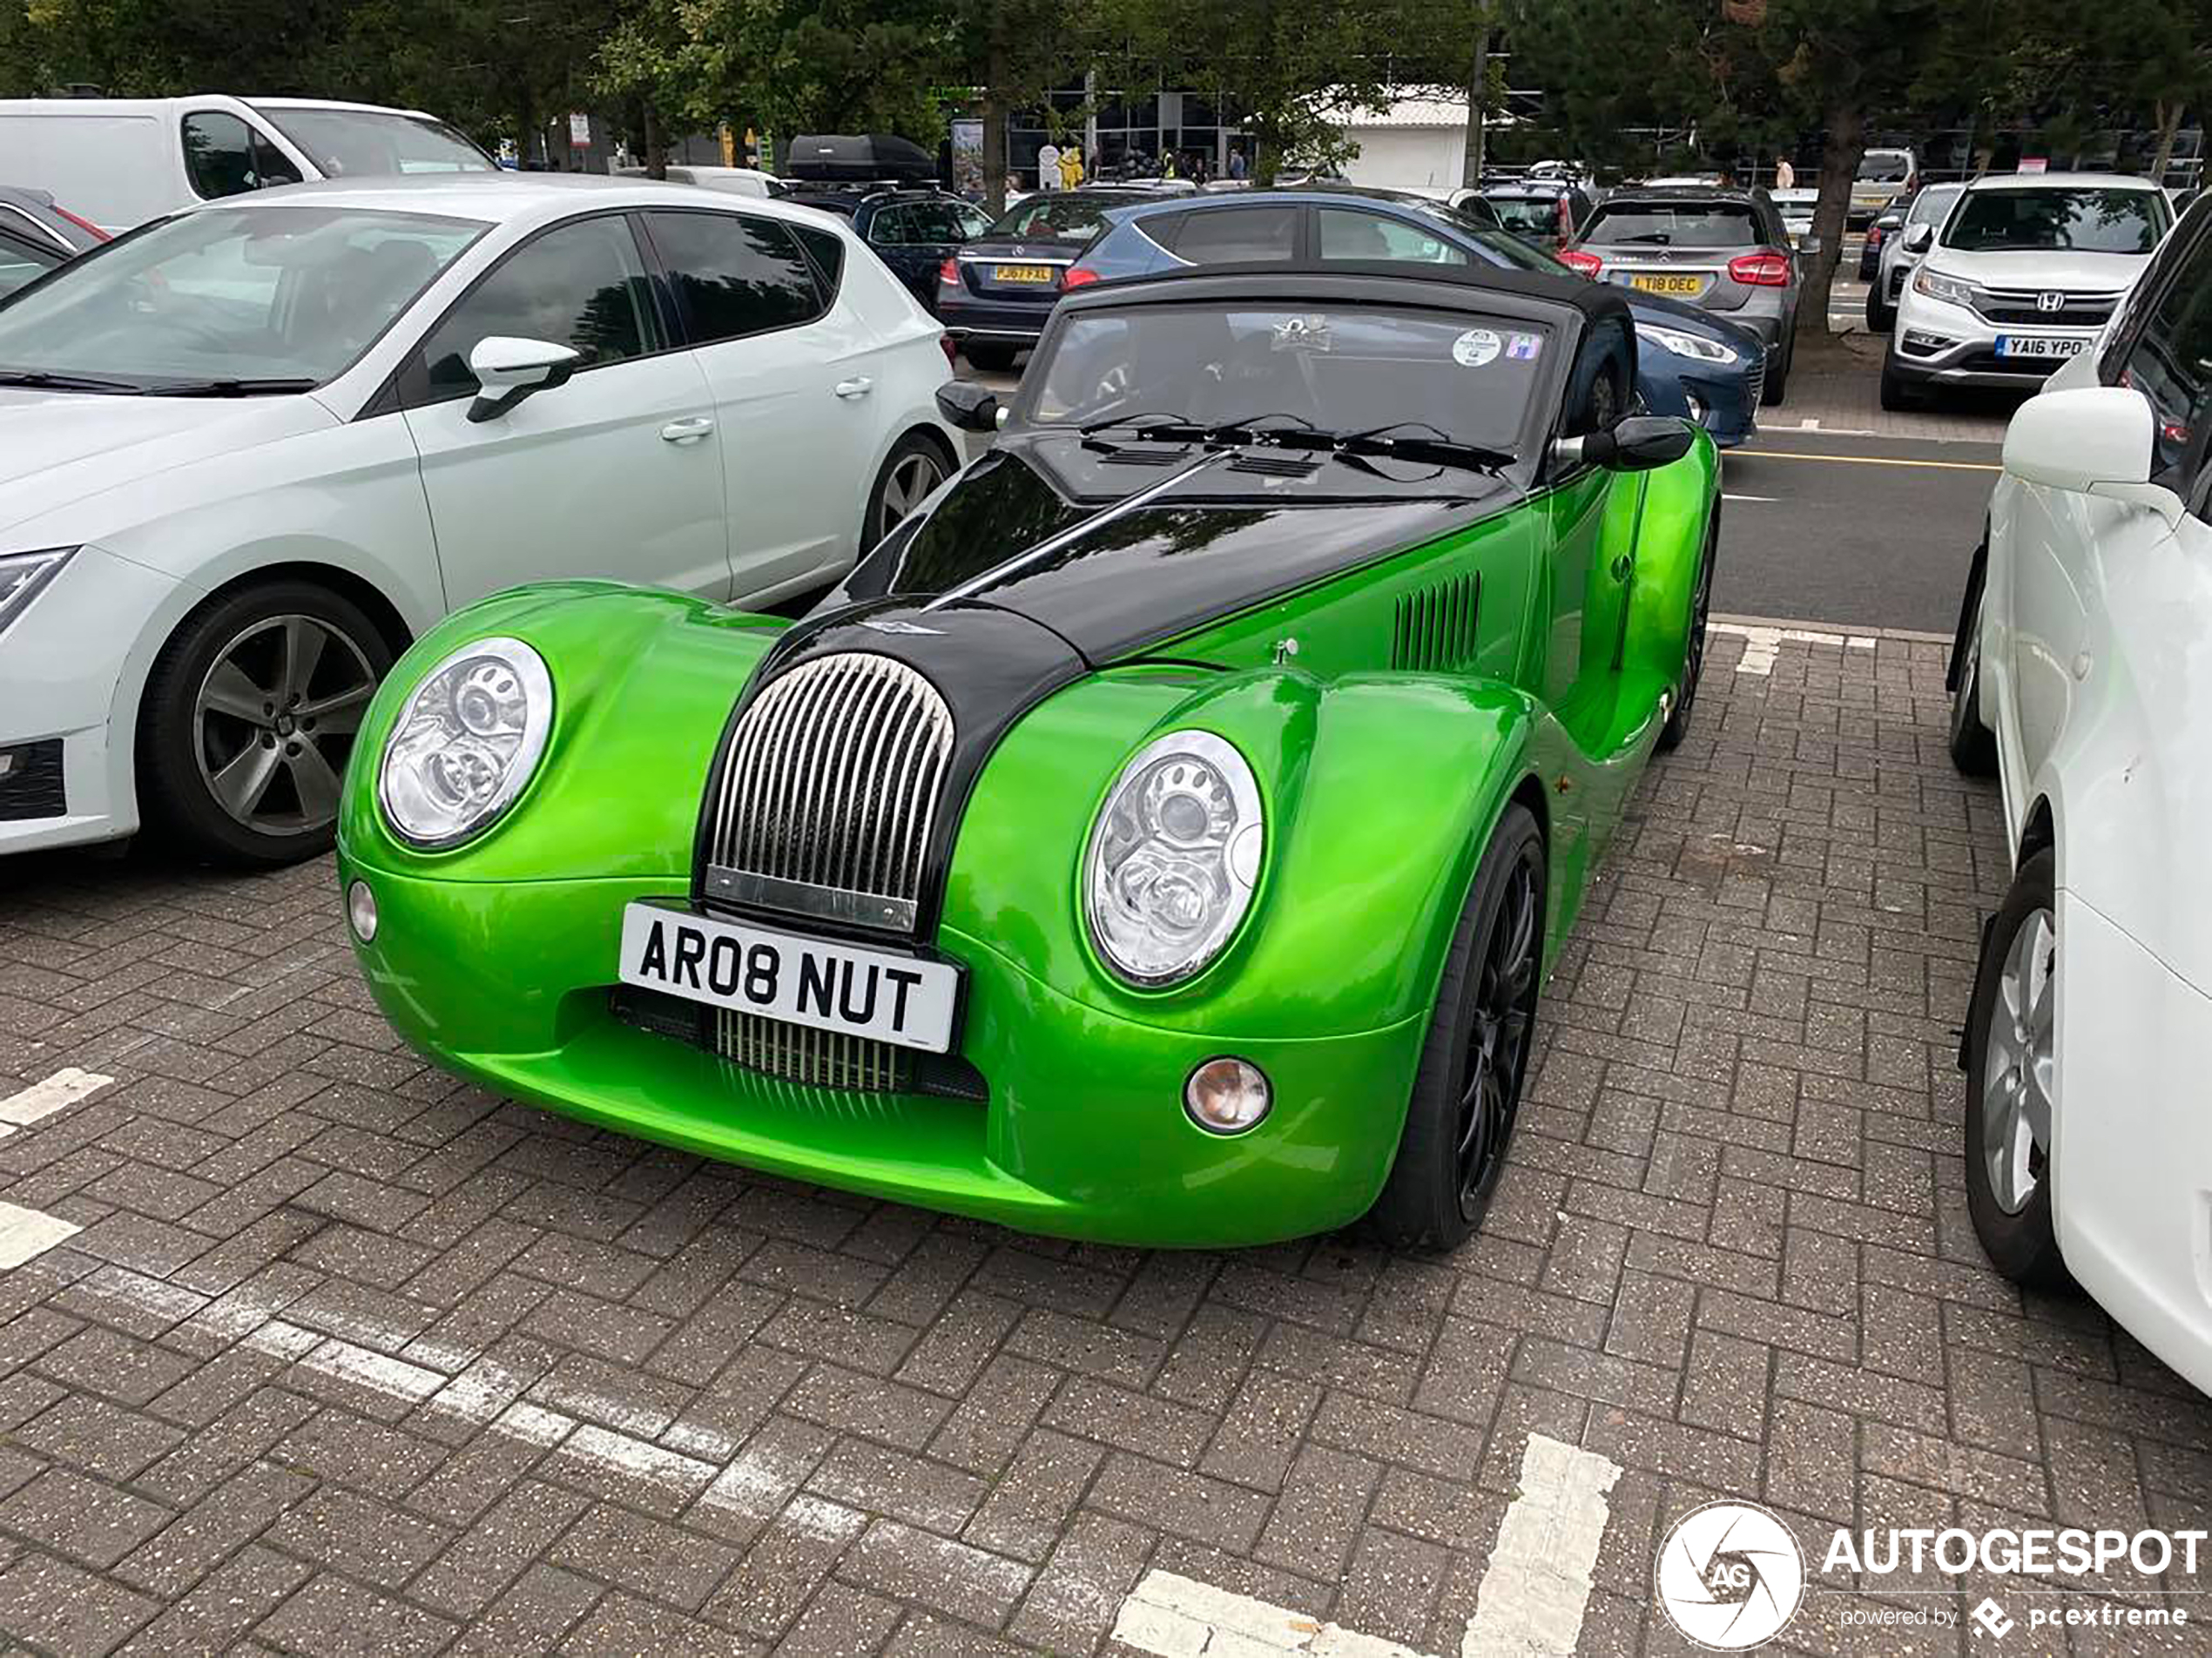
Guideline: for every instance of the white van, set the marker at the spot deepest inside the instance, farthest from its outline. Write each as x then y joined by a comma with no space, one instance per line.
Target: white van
122,161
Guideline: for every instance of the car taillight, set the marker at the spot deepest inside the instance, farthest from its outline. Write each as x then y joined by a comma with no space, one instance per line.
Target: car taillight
949,346
1565,220
1583,264
1760,270
1874,236
84,225
1078,276
948,274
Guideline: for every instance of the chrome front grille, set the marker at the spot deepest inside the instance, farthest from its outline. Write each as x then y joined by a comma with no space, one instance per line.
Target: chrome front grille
2020,307
831,787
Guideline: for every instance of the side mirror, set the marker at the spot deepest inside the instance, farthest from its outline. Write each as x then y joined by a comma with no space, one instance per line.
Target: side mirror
1635,444
507,370
2093,440
970,407
1919,238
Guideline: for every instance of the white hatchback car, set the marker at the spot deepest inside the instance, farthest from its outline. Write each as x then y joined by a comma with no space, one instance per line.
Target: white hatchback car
248,452
2083,672
2017,277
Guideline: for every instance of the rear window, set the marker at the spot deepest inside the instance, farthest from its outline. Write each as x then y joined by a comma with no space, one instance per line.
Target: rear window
2078,221
1886,167
1525,215
1055,218
1670,224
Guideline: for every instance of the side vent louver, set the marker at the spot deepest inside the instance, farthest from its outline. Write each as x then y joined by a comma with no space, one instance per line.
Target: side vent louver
1435,625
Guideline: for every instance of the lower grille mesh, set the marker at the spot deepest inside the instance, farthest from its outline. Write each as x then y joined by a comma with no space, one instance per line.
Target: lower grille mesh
815,1058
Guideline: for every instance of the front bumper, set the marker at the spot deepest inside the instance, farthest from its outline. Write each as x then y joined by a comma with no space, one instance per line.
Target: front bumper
1935,342
1083,1135
67,665
2132,1168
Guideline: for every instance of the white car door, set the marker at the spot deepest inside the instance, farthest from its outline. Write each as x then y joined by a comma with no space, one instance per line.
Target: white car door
614,474
794,372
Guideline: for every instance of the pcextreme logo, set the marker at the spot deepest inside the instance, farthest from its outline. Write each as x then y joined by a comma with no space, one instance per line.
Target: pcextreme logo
1730,1575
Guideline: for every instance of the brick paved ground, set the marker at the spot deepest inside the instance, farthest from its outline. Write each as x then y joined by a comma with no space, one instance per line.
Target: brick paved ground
350,1358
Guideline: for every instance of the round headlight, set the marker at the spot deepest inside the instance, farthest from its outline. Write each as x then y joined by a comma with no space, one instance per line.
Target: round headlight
1173,857
466,743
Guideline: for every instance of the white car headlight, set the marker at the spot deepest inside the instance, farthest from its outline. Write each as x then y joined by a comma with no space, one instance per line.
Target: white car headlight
1936,286
22,575
1686,345
466,743
1173,857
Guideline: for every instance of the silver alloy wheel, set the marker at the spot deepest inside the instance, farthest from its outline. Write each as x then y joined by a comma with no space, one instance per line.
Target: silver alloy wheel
912,476
2018,1077
274,719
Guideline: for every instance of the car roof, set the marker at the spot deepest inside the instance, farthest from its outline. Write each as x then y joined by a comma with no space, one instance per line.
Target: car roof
162,105
1480,288
2060,181
501,196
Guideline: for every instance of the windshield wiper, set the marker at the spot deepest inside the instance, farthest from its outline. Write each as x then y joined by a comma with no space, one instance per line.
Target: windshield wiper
44,380
271,388
1426,446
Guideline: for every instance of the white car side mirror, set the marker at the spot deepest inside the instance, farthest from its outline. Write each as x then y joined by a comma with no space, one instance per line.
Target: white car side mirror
1919,238
508,369
2093,440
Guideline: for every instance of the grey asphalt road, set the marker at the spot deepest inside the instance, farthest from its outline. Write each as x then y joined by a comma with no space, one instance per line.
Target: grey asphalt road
1866,532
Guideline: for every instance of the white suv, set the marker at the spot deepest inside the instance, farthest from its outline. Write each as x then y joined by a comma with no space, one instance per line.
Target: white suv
2018,279
249,453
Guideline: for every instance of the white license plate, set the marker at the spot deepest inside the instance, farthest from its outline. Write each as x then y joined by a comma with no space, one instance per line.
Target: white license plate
844,987
2014,345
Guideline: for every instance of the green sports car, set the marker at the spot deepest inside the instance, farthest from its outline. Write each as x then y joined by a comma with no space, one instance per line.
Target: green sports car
1161,838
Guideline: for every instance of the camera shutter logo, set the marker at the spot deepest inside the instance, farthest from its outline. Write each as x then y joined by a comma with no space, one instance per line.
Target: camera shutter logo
1730,1575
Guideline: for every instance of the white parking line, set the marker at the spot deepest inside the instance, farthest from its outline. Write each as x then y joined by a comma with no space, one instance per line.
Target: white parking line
1179,1617
1537,1584
64,1087
25,1233
1761,645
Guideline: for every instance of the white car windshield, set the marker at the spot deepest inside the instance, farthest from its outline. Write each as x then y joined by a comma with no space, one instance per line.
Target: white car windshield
2077,221
1931,203
252,297
354,144
1463,379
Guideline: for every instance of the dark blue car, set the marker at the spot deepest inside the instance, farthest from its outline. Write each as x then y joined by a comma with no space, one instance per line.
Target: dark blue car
1689,363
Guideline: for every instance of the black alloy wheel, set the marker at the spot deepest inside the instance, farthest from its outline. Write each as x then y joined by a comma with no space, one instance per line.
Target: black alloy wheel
249,719
1467,1092
1693,672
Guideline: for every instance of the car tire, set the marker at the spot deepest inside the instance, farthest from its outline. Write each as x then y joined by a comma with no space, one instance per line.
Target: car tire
991,360
916,465
290,646
1898,393
1701,609
1973,745
2009,1183
1880,318
1467,1089
1777,379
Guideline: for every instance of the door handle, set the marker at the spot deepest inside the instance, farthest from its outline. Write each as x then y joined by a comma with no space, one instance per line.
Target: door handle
859,386
1621,566
686,431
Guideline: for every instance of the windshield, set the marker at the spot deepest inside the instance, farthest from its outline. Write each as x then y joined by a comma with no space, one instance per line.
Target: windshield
1886,167
1526,215
1055,218
232,294
2078,221
1342,370
1667,224
353,143
1931,203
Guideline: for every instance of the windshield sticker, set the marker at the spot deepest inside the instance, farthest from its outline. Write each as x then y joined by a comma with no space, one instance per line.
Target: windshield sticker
1525,347
1475,348
1301,333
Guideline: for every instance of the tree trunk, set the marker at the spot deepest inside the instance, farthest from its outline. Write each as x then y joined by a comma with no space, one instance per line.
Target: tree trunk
656,151
1842,148
995,130
1478,87
2170,124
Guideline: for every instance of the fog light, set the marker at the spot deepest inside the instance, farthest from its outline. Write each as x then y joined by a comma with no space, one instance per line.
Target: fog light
1226,1095
1925,344
360,910
1697,408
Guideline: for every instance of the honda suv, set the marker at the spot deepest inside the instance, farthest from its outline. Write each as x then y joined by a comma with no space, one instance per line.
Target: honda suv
1724,250
2019,278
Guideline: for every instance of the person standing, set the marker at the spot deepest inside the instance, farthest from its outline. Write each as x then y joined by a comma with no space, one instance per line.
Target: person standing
1237,163
1785,176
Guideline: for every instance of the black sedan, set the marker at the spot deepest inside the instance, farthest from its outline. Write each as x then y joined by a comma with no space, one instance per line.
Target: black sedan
995,294
36,235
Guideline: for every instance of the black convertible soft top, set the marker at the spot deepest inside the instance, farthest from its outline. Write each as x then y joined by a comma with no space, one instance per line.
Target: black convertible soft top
1471,288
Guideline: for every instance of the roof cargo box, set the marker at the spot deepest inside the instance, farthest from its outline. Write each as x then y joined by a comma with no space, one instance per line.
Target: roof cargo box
863,157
